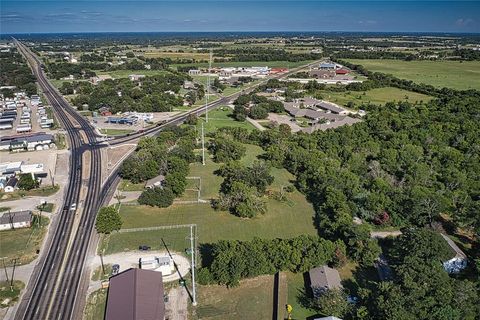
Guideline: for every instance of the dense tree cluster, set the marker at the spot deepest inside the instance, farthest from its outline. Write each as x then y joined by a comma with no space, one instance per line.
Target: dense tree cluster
15,72
255,106
234,260
421,288
243,187
169,154
262,54
78,70
27,182
124,95
224,148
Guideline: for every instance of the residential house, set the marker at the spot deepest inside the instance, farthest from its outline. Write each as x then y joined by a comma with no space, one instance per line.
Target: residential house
458,262
135,294
16,220
324,278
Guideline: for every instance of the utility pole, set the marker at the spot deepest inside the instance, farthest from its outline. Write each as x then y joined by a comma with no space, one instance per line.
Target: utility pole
13,273
101,261
208,86
52,178
192,252
203,145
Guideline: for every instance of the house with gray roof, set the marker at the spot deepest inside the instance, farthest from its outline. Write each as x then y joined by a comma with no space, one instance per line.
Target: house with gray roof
15,220
324,278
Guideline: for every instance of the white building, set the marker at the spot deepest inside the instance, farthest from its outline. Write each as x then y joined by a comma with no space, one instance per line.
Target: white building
162,264
136,77
15,220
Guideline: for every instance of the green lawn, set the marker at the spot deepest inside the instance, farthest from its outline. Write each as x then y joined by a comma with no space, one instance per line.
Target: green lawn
453,74
375,96
47,207
116,74
222,117
283,219
126,185
252,299
99,275
9,297
23,243
296,293
115,132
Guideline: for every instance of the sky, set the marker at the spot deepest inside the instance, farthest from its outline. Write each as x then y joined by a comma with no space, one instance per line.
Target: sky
238,15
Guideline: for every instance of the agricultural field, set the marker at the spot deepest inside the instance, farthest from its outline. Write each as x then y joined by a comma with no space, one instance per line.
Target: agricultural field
374,96
270,64
451,74
116,74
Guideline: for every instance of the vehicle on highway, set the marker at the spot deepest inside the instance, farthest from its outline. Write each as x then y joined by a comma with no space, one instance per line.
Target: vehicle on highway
144,248
73,207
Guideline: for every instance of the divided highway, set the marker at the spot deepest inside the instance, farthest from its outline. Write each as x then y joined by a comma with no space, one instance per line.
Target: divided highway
52,289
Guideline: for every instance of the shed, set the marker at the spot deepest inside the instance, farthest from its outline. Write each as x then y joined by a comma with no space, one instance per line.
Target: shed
135,294
155,182
14,220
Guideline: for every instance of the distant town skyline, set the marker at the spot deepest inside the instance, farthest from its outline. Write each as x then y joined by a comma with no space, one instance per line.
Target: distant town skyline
229,15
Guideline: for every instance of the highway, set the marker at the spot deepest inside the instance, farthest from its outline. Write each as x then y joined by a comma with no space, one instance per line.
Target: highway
52,289
56,281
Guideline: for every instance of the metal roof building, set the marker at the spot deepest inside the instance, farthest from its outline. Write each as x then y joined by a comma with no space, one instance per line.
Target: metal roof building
136,294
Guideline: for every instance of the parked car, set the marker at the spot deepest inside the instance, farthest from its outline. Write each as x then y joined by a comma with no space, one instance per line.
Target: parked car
144,248
115,269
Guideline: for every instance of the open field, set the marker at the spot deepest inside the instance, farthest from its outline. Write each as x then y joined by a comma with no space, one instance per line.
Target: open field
177,55
222,117
22,243
452,74
126,185
40,192
374,96
283,219
252,299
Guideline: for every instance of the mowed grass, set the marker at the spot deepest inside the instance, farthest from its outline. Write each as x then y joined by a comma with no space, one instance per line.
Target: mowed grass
375,96
23,243
451,74
115,132
283,219
221,117
9,297
96,304
252,299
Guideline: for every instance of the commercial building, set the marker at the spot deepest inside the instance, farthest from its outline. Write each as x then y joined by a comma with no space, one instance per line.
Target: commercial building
162,264
135,294
35,141
16,220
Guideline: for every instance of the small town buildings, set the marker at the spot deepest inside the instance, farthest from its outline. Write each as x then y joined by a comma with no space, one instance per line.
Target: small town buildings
188,85
458,262
135,294
97,79
328,66
10,168
324,278
16,220
156,182
194,72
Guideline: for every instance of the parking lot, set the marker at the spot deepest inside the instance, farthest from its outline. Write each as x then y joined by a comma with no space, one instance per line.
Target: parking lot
102,121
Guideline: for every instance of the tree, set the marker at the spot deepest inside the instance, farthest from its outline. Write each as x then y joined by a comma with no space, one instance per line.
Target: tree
258,112
191,119
176,182
240,113
108,220
225,149
157,197
333,302
26,182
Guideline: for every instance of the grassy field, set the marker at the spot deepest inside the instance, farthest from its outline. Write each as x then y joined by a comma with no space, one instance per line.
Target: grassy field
96,304
22,243
375,96
126,185
283,219
296,294
116,74
252,299
115,132
8,297
222,117
452,74
177,55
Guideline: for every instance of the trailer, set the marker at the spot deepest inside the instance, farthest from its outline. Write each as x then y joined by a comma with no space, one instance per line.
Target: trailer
24,128
24,121
6,126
